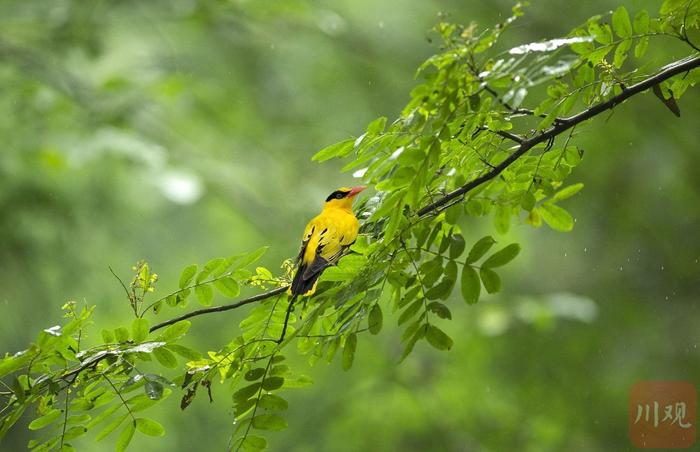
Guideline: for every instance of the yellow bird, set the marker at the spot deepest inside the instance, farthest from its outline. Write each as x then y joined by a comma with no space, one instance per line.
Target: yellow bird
325,239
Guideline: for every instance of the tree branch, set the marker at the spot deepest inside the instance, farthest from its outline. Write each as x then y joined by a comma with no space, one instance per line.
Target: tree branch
560,126
226,307
565,124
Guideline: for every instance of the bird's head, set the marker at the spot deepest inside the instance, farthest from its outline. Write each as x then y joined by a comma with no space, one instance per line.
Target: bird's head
342,198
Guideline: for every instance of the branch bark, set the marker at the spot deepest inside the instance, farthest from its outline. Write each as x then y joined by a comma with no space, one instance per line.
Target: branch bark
563,125
222,308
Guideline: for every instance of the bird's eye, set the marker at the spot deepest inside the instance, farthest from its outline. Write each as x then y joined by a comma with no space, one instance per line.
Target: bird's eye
338,196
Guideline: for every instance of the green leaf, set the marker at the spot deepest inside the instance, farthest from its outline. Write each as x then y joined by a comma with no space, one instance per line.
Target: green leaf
556,217
121,334
254,374
440,310
641,47
349,351
153,389
456,246
272,422
204,294
45,420
74,432
217,266
251,257
437,338
375,319
621,22
441,290
567,192
175,331
410,311
125,437
377,126
411,156
527,201
641,22
491,280
471,288
348,267
246,393
228,287
109,428
481,247
165,357
418,335
502,257
602,34
401,178
107,336
621,52
187,275
139,330
501,218
185,352
149,427
272,383
253,443
103,416
334,150
273,402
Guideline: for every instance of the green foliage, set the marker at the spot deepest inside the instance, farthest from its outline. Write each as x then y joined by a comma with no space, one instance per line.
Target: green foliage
467,140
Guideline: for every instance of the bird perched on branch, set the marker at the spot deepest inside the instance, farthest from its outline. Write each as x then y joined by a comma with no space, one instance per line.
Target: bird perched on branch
325,239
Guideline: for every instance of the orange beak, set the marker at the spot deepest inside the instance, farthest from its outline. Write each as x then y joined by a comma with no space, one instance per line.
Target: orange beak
356,190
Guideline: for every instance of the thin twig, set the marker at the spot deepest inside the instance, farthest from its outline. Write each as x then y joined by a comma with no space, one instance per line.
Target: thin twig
128,294
126,405
226,307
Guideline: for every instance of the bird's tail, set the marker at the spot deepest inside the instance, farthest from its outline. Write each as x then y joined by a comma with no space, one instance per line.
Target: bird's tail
300,285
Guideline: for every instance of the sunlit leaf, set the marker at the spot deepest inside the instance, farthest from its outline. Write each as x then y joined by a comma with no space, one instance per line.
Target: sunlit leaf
621,22
204,294
187,275
139,329
502,257
480,248
556,217
340,149
125,437
228,287
149,427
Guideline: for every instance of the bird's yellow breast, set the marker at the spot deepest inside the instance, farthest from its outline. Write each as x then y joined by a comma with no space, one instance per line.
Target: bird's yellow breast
333,229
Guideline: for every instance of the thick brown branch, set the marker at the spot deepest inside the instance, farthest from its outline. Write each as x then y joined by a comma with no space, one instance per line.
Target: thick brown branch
226,307
565,124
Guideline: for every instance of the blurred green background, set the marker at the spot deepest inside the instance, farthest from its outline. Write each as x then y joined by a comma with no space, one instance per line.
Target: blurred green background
180,131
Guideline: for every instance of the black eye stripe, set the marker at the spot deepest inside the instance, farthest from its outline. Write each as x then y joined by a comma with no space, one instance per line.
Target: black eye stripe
338,194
